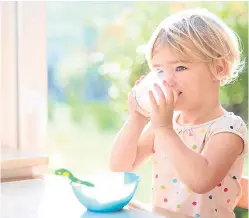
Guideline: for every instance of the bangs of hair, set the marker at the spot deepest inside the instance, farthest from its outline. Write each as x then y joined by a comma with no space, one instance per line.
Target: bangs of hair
179,45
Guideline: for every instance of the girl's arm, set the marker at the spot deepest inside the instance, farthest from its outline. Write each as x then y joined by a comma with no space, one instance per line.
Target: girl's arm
200,172
133,144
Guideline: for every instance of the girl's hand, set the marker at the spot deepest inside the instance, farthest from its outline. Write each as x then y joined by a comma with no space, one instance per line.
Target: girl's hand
162,112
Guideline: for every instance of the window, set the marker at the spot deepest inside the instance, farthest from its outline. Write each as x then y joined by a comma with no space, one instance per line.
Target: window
23,88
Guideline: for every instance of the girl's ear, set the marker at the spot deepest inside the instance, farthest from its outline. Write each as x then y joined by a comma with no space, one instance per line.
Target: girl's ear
221,69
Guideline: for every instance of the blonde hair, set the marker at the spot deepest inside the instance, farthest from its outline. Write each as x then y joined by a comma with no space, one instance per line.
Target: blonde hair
201,35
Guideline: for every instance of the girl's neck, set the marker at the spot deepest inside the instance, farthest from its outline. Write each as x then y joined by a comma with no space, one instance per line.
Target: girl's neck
200,115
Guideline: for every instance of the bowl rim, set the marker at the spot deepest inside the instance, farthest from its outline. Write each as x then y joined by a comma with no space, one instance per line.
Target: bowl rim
136,180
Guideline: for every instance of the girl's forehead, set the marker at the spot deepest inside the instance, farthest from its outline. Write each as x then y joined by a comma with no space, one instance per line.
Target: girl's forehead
167,57
170,56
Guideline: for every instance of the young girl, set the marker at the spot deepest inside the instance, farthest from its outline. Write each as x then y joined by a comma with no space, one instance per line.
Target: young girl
198,147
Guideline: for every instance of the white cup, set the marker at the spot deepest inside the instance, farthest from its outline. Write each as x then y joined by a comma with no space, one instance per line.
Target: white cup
141,91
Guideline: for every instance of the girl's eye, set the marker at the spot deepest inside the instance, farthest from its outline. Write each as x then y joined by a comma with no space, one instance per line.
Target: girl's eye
180,68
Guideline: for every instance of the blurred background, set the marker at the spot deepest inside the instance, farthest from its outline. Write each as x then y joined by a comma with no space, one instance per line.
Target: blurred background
94,56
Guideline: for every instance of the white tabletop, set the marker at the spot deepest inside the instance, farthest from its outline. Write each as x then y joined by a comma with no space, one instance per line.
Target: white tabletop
51,198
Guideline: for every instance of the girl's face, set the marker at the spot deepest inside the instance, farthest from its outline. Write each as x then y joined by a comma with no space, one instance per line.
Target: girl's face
191,81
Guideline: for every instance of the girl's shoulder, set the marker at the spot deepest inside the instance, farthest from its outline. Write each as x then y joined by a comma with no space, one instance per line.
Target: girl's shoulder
229,123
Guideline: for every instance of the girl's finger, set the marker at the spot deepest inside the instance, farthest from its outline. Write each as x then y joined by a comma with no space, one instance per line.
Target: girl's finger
162,99
154,105
137,82
170,96
175,95
141,77
129,97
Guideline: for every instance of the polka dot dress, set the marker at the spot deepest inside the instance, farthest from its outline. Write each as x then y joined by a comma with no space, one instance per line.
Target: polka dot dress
170,192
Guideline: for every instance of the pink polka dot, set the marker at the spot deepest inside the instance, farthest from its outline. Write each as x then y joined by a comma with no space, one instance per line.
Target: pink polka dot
219,185
194,203
225,189
228,201
156,176
165,200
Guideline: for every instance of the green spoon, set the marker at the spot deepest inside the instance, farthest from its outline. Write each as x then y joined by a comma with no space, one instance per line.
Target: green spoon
67,173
